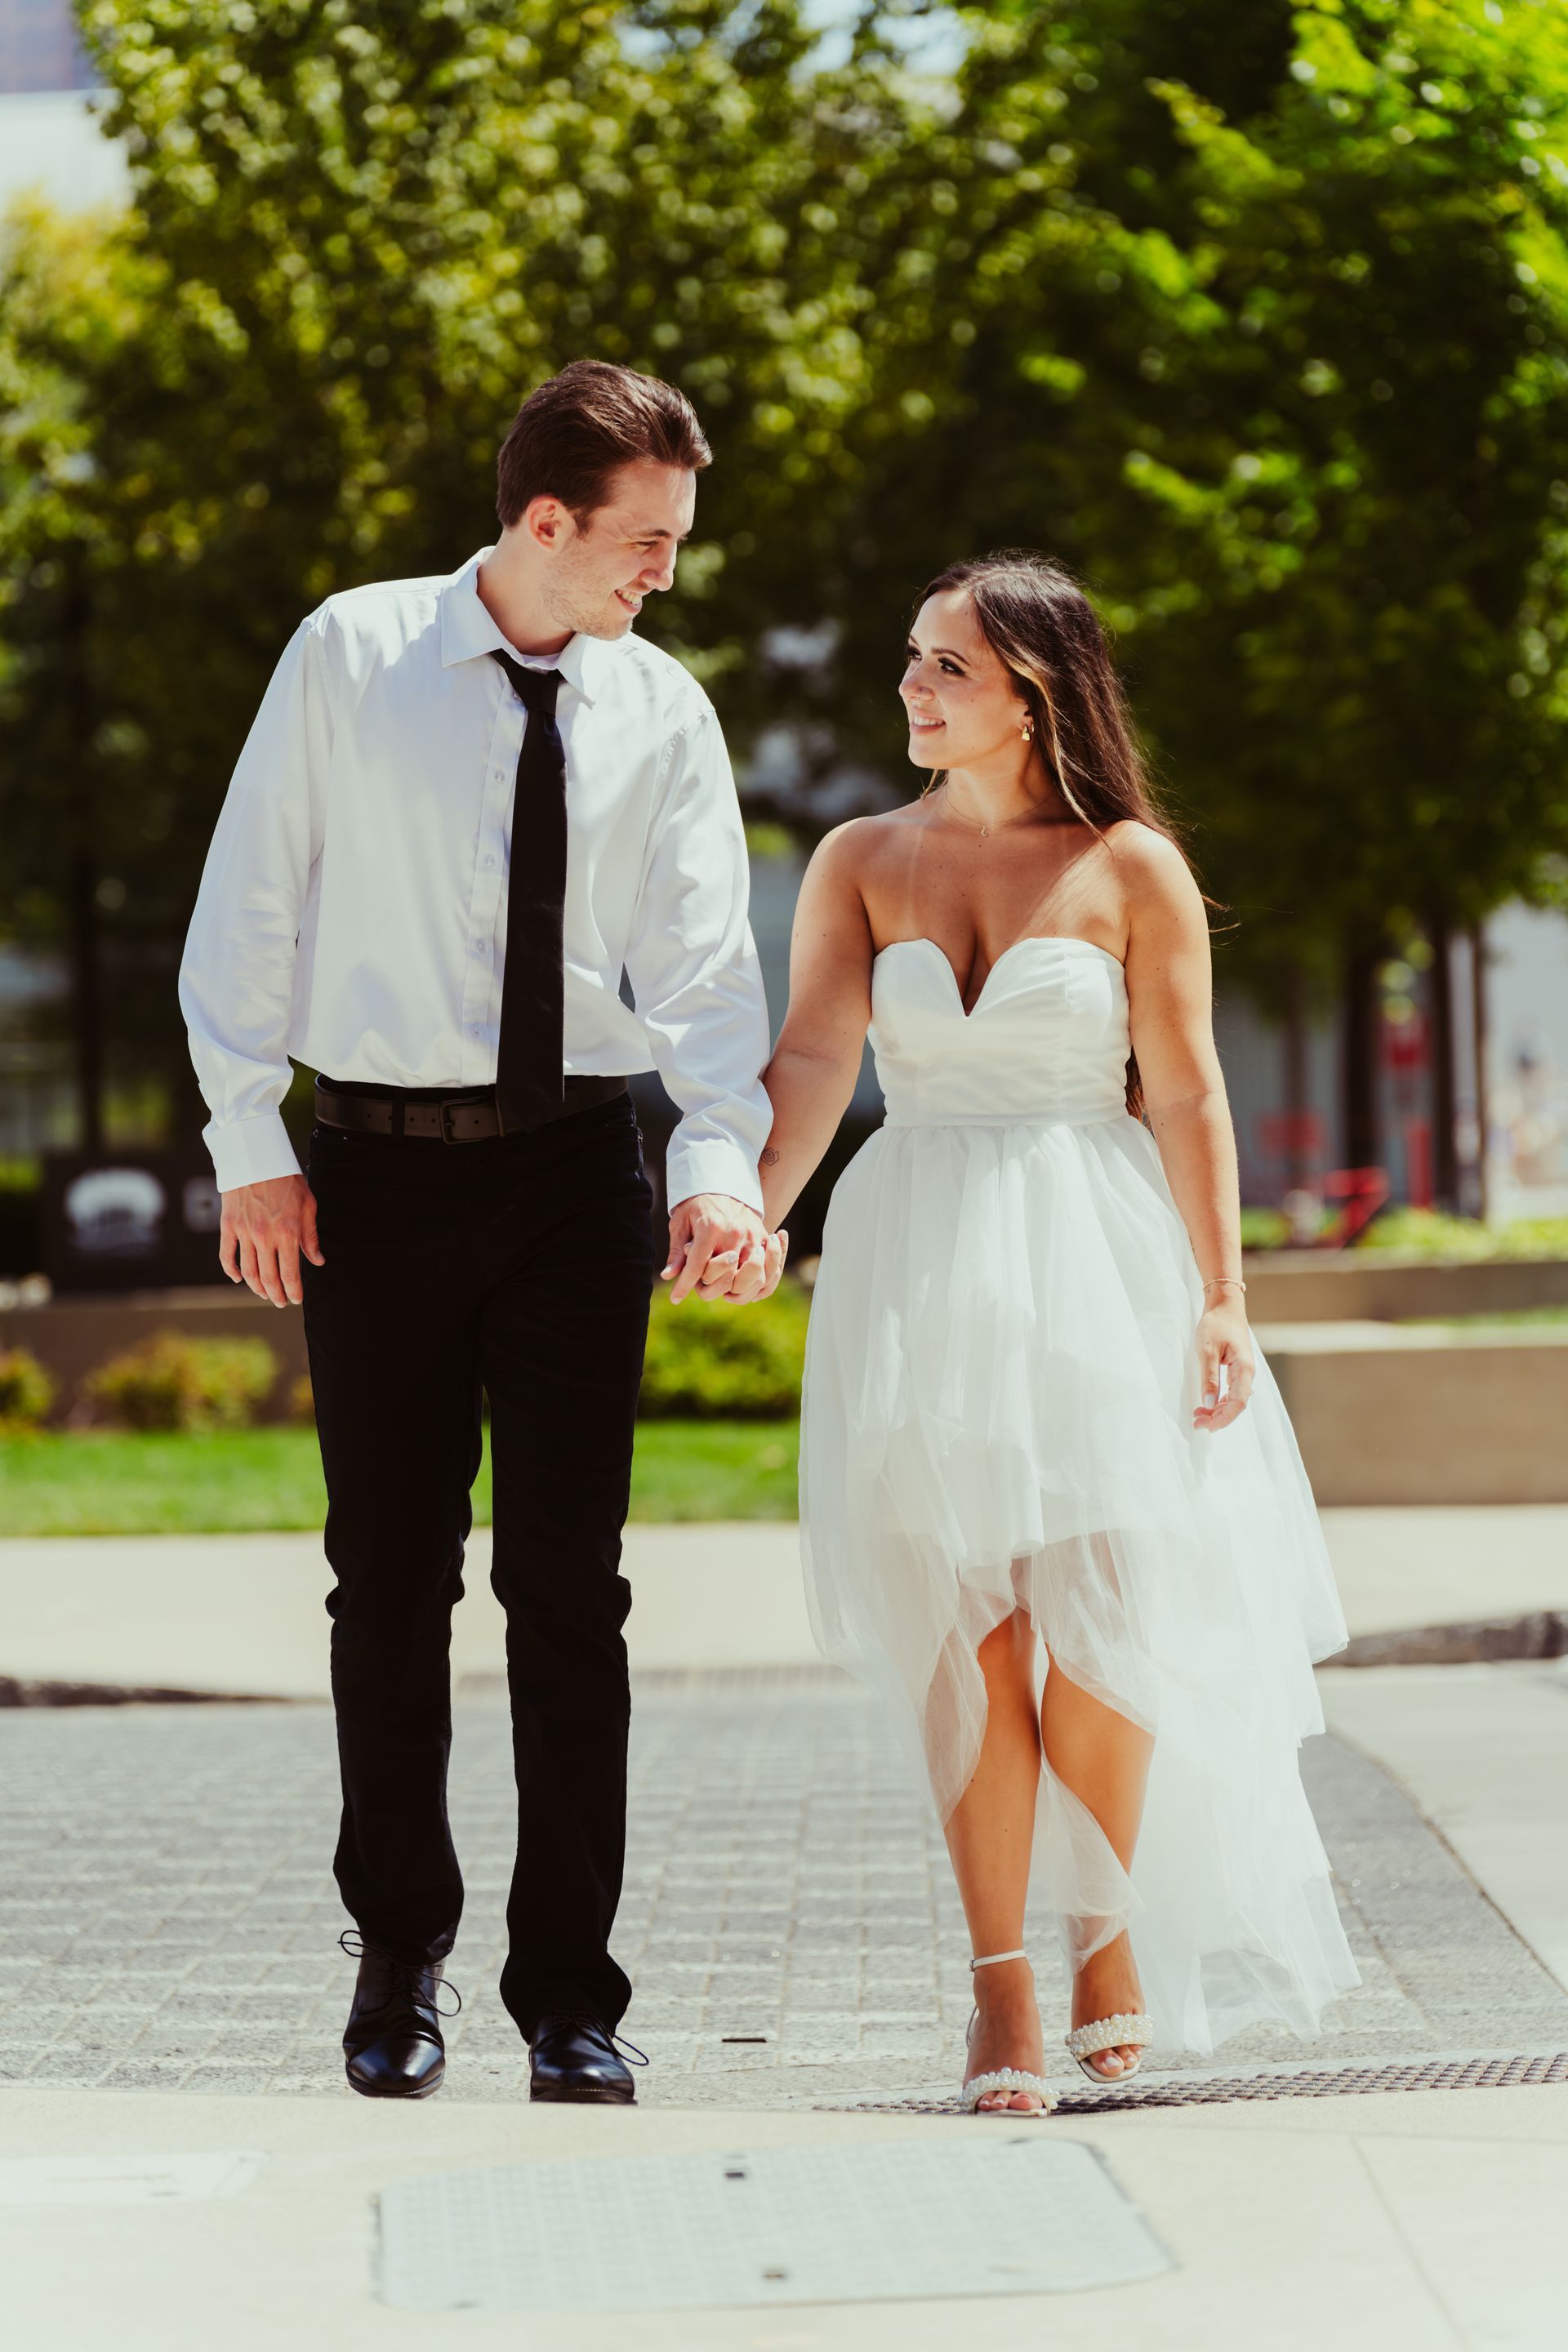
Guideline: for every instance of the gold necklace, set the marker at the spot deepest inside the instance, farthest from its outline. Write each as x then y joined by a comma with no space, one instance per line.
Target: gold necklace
1029,816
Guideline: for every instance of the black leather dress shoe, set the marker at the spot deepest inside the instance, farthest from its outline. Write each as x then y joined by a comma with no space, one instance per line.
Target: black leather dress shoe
573,2056
393,2040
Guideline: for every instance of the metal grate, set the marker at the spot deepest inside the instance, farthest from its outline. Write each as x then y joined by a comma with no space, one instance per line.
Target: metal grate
1016,2214
1462,2074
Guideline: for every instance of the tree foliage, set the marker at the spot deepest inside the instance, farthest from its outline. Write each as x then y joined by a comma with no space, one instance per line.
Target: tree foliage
1262,323
362,231
1258,319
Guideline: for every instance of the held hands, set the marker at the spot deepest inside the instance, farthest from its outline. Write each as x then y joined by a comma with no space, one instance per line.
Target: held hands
718,1247
263,1229
721,1250
1222,1340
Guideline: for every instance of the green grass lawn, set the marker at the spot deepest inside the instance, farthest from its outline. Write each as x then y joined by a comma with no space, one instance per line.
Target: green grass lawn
101,1483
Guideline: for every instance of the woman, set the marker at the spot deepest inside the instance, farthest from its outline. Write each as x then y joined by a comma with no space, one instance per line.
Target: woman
1032,1415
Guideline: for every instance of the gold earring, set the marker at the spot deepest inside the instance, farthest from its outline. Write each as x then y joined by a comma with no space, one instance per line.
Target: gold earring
1027,730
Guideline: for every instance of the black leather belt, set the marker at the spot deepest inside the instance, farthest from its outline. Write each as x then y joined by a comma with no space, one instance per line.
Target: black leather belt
466,1118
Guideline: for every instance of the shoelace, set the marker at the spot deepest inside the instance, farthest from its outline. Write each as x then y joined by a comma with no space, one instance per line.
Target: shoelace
596,2024
403,1974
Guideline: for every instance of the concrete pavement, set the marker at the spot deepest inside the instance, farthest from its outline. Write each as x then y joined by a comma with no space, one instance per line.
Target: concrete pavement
242,1614
168,1982
1422,2224
1483,1751
168,1919
169,1986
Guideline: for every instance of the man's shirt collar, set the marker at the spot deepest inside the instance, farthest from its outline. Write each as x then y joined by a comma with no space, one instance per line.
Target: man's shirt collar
467,630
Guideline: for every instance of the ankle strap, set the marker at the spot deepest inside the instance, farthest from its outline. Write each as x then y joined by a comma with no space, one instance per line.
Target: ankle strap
990,1959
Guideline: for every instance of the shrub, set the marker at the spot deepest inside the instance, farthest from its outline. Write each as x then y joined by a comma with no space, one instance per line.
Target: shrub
27,1392
1534,1237
731,1363
301,1399
1263,1229
1430,1233
171,1381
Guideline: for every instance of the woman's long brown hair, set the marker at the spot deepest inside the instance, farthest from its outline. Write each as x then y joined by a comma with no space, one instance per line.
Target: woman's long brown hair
1039,622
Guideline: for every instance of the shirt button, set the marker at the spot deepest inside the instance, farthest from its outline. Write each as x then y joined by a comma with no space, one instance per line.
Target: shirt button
490,865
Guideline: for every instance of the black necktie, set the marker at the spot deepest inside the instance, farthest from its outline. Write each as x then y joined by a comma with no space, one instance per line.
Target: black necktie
529,1059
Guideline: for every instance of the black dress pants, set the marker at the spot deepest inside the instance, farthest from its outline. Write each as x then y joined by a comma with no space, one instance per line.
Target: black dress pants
523,1265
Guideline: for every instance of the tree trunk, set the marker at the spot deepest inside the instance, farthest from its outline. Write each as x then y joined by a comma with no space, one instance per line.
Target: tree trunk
1359,1059
87,994
87,998
1298,1107
1479,1016
1445,1147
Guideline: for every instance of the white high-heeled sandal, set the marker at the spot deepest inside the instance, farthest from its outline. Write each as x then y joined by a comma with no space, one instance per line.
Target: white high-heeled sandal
1002,2078
1128,2029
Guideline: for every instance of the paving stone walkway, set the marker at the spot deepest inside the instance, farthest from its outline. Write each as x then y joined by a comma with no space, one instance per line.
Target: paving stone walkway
168,1918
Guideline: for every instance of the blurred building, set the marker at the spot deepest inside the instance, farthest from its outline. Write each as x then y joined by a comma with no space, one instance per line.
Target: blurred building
1527,1106
50,142
39,50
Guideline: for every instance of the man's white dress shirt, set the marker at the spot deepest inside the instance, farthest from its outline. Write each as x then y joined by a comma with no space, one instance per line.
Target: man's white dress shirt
352,910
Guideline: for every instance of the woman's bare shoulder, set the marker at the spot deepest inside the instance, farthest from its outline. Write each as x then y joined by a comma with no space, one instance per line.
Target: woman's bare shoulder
850,852
1150,867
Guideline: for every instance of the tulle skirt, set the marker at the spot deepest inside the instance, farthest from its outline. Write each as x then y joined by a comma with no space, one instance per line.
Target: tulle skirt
1000,1378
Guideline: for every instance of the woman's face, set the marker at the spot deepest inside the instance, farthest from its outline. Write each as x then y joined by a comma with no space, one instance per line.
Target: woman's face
963,705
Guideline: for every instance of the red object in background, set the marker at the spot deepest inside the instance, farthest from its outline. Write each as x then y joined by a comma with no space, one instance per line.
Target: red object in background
1406,1044
1361,1192
1295,1137
1418,1162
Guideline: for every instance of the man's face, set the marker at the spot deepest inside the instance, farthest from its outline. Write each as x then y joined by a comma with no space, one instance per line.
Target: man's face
624,550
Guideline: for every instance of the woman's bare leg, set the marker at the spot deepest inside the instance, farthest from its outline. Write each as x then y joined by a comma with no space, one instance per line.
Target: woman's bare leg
989,1835
1103,1760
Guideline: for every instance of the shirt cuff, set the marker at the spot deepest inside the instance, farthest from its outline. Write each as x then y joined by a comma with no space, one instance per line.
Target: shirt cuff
250,1150
710,1166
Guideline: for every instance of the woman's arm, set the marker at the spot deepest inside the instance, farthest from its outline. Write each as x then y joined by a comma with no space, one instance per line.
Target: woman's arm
1171,994
811,1077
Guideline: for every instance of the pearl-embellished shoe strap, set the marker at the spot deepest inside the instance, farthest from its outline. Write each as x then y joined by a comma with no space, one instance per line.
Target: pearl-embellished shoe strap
1127,2030
1008,2078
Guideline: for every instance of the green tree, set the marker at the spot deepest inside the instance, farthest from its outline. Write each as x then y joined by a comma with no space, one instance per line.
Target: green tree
360,233
1260,322
71,314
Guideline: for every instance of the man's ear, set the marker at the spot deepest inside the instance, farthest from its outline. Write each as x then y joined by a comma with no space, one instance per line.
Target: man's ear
547,523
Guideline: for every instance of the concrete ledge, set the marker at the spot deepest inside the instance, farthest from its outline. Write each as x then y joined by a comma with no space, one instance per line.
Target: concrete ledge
1495,1641
1313,1286
72,1337
1385,1413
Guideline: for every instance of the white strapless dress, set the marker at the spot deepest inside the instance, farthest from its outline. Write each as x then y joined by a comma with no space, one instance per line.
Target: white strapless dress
1000,1379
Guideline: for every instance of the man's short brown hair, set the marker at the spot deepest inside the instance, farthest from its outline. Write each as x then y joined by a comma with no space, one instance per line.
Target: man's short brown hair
571,435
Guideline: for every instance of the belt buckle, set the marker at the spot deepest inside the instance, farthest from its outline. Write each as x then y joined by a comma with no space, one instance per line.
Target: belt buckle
448,1112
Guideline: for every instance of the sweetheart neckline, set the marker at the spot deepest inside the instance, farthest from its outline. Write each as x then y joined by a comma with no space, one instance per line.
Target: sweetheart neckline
1029,940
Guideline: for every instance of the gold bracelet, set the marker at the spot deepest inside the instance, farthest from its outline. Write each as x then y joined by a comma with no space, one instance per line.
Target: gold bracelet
1226,1282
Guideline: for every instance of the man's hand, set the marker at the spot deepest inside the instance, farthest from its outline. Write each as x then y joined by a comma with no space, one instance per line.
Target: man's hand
263,1229
711,1240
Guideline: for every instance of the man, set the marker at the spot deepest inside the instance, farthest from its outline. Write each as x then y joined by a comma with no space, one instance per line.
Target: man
465,805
